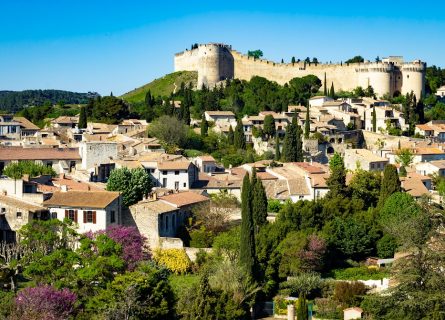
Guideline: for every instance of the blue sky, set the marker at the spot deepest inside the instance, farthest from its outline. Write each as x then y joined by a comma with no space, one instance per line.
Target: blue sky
116,46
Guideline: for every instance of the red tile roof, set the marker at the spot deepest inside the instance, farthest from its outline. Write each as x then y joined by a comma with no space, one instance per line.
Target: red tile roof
184,198
19,153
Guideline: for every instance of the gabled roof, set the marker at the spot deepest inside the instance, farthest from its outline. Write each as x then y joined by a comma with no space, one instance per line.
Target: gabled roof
82,199
220,113
26,124
184,198
13,202
174,165
19,153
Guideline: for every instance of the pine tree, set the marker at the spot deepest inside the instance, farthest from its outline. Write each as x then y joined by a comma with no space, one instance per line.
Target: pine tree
302,310
325,86
230,136
277,149
83,121
390,184
374,120
259,204
239,139
247,245
204,126
332,91
293,60
307,125
282,60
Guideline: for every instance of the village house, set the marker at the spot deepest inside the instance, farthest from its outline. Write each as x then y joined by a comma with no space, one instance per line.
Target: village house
65,122
364,159
430,168
440,92
205,164
217,117
318,101
90,210
159,219
15,128
435,129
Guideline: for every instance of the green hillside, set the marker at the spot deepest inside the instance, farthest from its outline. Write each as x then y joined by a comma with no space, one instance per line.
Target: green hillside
162,86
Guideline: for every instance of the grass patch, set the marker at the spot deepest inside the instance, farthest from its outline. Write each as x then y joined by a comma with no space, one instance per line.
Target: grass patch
162,87
180,283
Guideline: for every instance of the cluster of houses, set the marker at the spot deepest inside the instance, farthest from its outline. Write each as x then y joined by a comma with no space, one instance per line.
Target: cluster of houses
84,158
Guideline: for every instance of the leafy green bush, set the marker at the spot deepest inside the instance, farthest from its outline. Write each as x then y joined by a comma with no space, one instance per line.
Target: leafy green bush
192,153
274,205
360,273
201,238
19,169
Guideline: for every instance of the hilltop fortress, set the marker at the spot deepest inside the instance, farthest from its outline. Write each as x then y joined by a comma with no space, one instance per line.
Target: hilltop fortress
216,62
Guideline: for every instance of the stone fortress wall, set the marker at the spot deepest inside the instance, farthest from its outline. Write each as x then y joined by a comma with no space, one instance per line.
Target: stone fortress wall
217,62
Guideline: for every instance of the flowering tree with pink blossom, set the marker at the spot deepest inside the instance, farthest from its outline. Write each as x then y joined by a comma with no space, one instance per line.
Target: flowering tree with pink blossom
44,302
313,253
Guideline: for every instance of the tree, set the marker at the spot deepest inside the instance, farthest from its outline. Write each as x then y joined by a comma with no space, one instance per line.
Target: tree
356,59
293,60
292,146
239,140
404,157
169,130
247,248
259,204
337,179
325,86
17,170
44,302
230,136
256,54
390,184
307,125
302,311
133,183
204,127
110,110
269,126
149,105
83,121
332,91
374,120
277,156
365,186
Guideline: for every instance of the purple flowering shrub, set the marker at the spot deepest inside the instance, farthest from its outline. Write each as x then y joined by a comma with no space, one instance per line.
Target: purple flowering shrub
44,302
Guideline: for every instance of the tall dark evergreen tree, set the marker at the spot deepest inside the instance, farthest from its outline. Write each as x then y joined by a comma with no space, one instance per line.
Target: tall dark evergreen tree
259,204
390,184
332,91
83,121
302,310
269,126
230,136
293,60
184,113
325,86
149,104
247,245
239,140
204,126
277,149
374,120
292,145
307,123
337,179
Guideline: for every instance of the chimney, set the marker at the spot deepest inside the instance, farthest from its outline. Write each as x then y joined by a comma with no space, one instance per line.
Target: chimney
25,177
62,175
64,188
155,196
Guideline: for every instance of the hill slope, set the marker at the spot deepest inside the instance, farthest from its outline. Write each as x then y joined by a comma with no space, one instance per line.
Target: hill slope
12,101
162,86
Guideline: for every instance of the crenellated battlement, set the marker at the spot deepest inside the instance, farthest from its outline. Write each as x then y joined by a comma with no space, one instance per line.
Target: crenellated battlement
217,61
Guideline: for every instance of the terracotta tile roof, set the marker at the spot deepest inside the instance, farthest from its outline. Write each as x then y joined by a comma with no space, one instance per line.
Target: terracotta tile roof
26,124
414,186
184,198
13,202
207,158
82,199
66,120
220,113
265,176
428,151
154,206
309,168
174,165
19,153
438,163
424,127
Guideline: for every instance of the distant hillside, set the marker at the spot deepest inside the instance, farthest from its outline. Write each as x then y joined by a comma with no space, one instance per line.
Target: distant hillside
13,101
162,86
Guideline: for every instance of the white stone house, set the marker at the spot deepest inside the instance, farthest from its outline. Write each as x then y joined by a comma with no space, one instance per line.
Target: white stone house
432,167
318,101
364,159
174,175
205,164
221,117
90,210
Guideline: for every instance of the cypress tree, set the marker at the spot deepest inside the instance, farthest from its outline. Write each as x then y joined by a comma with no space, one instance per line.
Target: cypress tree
292,146
374,120
239,140
299,144
83,121
149,104
325,86
307,125
277,149
332,91
259,204
302,310
247,245
230,136
204,127
293,60
390,184
337,179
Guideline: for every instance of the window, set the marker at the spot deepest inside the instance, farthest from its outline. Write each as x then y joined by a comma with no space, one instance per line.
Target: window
53,215
166,223
164,182
49,164
372,165
19,215
89,216
112,216
185,184
71,215
3,210
176,185
164,172
177,172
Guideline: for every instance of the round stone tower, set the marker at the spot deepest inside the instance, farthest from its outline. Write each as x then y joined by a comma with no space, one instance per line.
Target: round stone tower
215,63
376,75
413,78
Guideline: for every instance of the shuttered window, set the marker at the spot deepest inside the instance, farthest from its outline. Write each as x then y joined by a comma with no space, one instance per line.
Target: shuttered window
71,214
89,216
